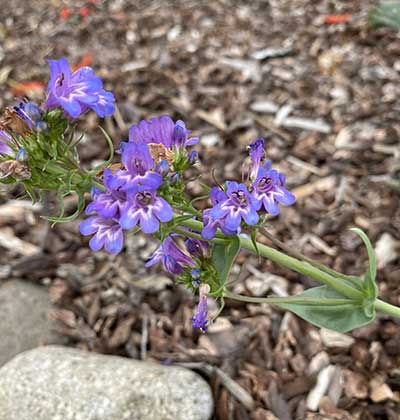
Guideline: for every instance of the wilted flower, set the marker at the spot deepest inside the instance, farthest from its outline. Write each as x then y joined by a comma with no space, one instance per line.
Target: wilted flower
12,122
171,256
77,92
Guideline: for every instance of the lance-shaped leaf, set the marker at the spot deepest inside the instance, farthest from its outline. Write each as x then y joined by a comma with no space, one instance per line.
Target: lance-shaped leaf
224,256
334,311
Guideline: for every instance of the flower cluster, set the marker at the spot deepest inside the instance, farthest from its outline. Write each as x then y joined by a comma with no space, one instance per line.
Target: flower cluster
130,197
239,203
78,91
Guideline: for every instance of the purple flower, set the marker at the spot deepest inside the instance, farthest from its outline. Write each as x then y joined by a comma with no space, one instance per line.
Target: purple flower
162,168
210,224
257,153
137,162
268,190
30,113
193,157
107,234
172,258
238,205
162,131
108,203
77,92
5,139
146,209
199,319
196,247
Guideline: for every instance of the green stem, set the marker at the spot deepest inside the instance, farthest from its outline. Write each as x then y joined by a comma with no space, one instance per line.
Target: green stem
387,308
289,299
301,267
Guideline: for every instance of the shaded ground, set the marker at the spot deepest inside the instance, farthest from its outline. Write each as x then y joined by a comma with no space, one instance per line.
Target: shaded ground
205,62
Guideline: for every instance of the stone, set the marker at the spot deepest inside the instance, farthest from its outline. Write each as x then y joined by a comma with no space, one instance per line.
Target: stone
336,339
61,383
24,318
381,393
324,379
355,385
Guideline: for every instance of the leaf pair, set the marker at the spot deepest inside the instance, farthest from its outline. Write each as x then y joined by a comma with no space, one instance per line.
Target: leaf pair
325,307
345,316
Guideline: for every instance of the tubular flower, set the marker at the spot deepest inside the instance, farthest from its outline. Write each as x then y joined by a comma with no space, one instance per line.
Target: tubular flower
171,256
108,203
162,131
5,139
269,190
199,320
256,153
212,224
107,234
197,248
136,174
77,92
238,205
146,209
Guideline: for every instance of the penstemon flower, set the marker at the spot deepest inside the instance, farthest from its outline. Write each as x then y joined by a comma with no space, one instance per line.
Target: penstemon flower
107,233
77,92
146,209
5,139
235,205
172,257
200,318
162,131
257,154
269,190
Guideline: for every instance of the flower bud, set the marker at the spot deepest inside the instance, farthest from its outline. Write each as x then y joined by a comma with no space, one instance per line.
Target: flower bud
41,127
22,156
175,178
196,247
195,274
179,135
162,168
193,157
33,111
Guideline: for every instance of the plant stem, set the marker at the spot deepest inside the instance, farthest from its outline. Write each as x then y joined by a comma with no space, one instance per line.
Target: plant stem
291,299
387,308
301,267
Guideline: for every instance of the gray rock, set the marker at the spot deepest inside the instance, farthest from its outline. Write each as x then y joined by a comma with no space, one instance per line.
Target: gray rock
61,383
24,319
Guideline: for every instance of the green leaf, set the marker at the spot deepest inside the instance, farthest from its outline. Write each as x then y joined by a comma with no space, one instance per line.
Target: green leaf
342,317
369,284
385,14
224,256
